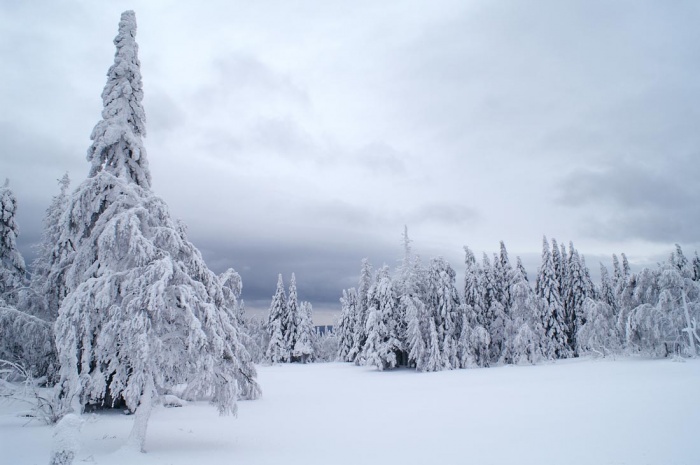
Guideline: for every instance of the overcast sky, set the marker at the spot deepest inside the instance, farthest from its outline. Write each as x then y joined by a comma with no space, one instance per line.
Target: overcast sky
302,136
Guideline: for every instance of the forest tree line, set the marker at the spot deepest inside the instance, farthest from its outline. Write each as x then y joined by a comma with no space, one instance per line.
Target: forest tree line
418,317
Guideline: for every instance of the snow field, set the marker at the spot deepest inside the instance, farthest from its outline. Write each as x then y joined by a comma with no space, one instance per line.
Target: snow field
570,412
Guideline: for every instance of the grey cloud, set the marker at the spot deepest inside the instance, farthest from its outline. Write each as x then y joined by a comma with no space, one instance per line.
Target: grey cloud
19,147
282,136
444,213
248,84
380,156
245,72
322,270
338,211
164,114
637,199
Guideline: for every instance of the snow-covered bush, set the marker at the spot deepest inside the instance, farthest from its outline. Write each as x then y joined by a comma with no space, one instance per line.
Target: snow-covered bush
27,340
66,440
18,384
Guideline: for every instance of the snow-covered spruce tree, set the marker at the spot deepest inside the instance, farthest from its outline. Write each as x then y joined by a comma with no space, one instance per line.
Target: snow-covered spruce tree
501,324
444,308
576,294
13,272
232,287
346,324
503,277
48,288
474,339
257,341
558,262
600,332
277,349
304,344
382,344
416,332
617,271
551,307
410,289
24,338
292,319
526,340
472,294
142,311
360,327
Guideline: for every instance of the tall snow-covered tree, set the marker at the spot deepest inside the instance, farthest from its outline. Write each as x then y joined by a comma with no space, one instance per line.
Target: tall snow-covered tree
277,349
360,326
13,272
576,294
551,307
382,344
444,308
416,332
292,318
472,293
304,343
410,289
474,340
501,322
346,324
617,271
48,288
526,340
142,311
24,338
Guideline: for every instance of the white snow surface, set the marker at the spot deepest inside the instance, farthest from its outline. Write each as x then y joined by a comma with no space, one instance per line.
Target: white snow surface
582,411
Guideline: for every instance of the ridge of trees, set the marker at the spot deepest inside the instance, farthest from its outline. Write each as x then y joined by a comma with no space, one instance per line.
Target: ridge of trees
419,318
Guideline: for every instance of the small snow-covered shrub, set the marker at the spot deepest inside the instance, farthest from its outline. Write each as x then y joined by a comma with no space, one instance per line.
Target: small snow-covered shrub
66,440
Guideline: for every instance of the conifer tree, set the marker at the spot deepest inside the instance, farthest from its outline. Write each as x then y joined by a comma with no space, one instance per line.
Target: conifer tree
626,269
25,339
277,349
13,272
410,284
526,342
142,311
360,330
48,279
576,294
382,345
304,343
346,324
551,307
472,294
474,340
416,333
444,308
291,319
501,322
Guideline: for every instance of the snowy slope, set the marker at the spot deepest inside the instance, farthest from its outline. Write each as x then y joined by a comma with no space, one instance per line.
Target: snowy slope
570,412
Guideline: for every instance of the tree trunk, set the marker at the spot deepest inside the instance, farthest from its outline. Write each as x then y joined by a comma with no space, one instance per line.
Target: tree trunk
137,437
689,326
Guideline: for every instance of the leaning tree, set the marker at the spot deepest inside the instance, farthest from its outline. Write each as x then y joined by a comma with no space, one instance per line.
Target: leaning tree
142,311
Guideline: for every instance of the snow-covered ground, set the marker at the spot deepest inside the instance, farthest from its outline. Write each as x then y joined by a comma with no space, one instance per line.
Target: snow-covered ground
628,411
